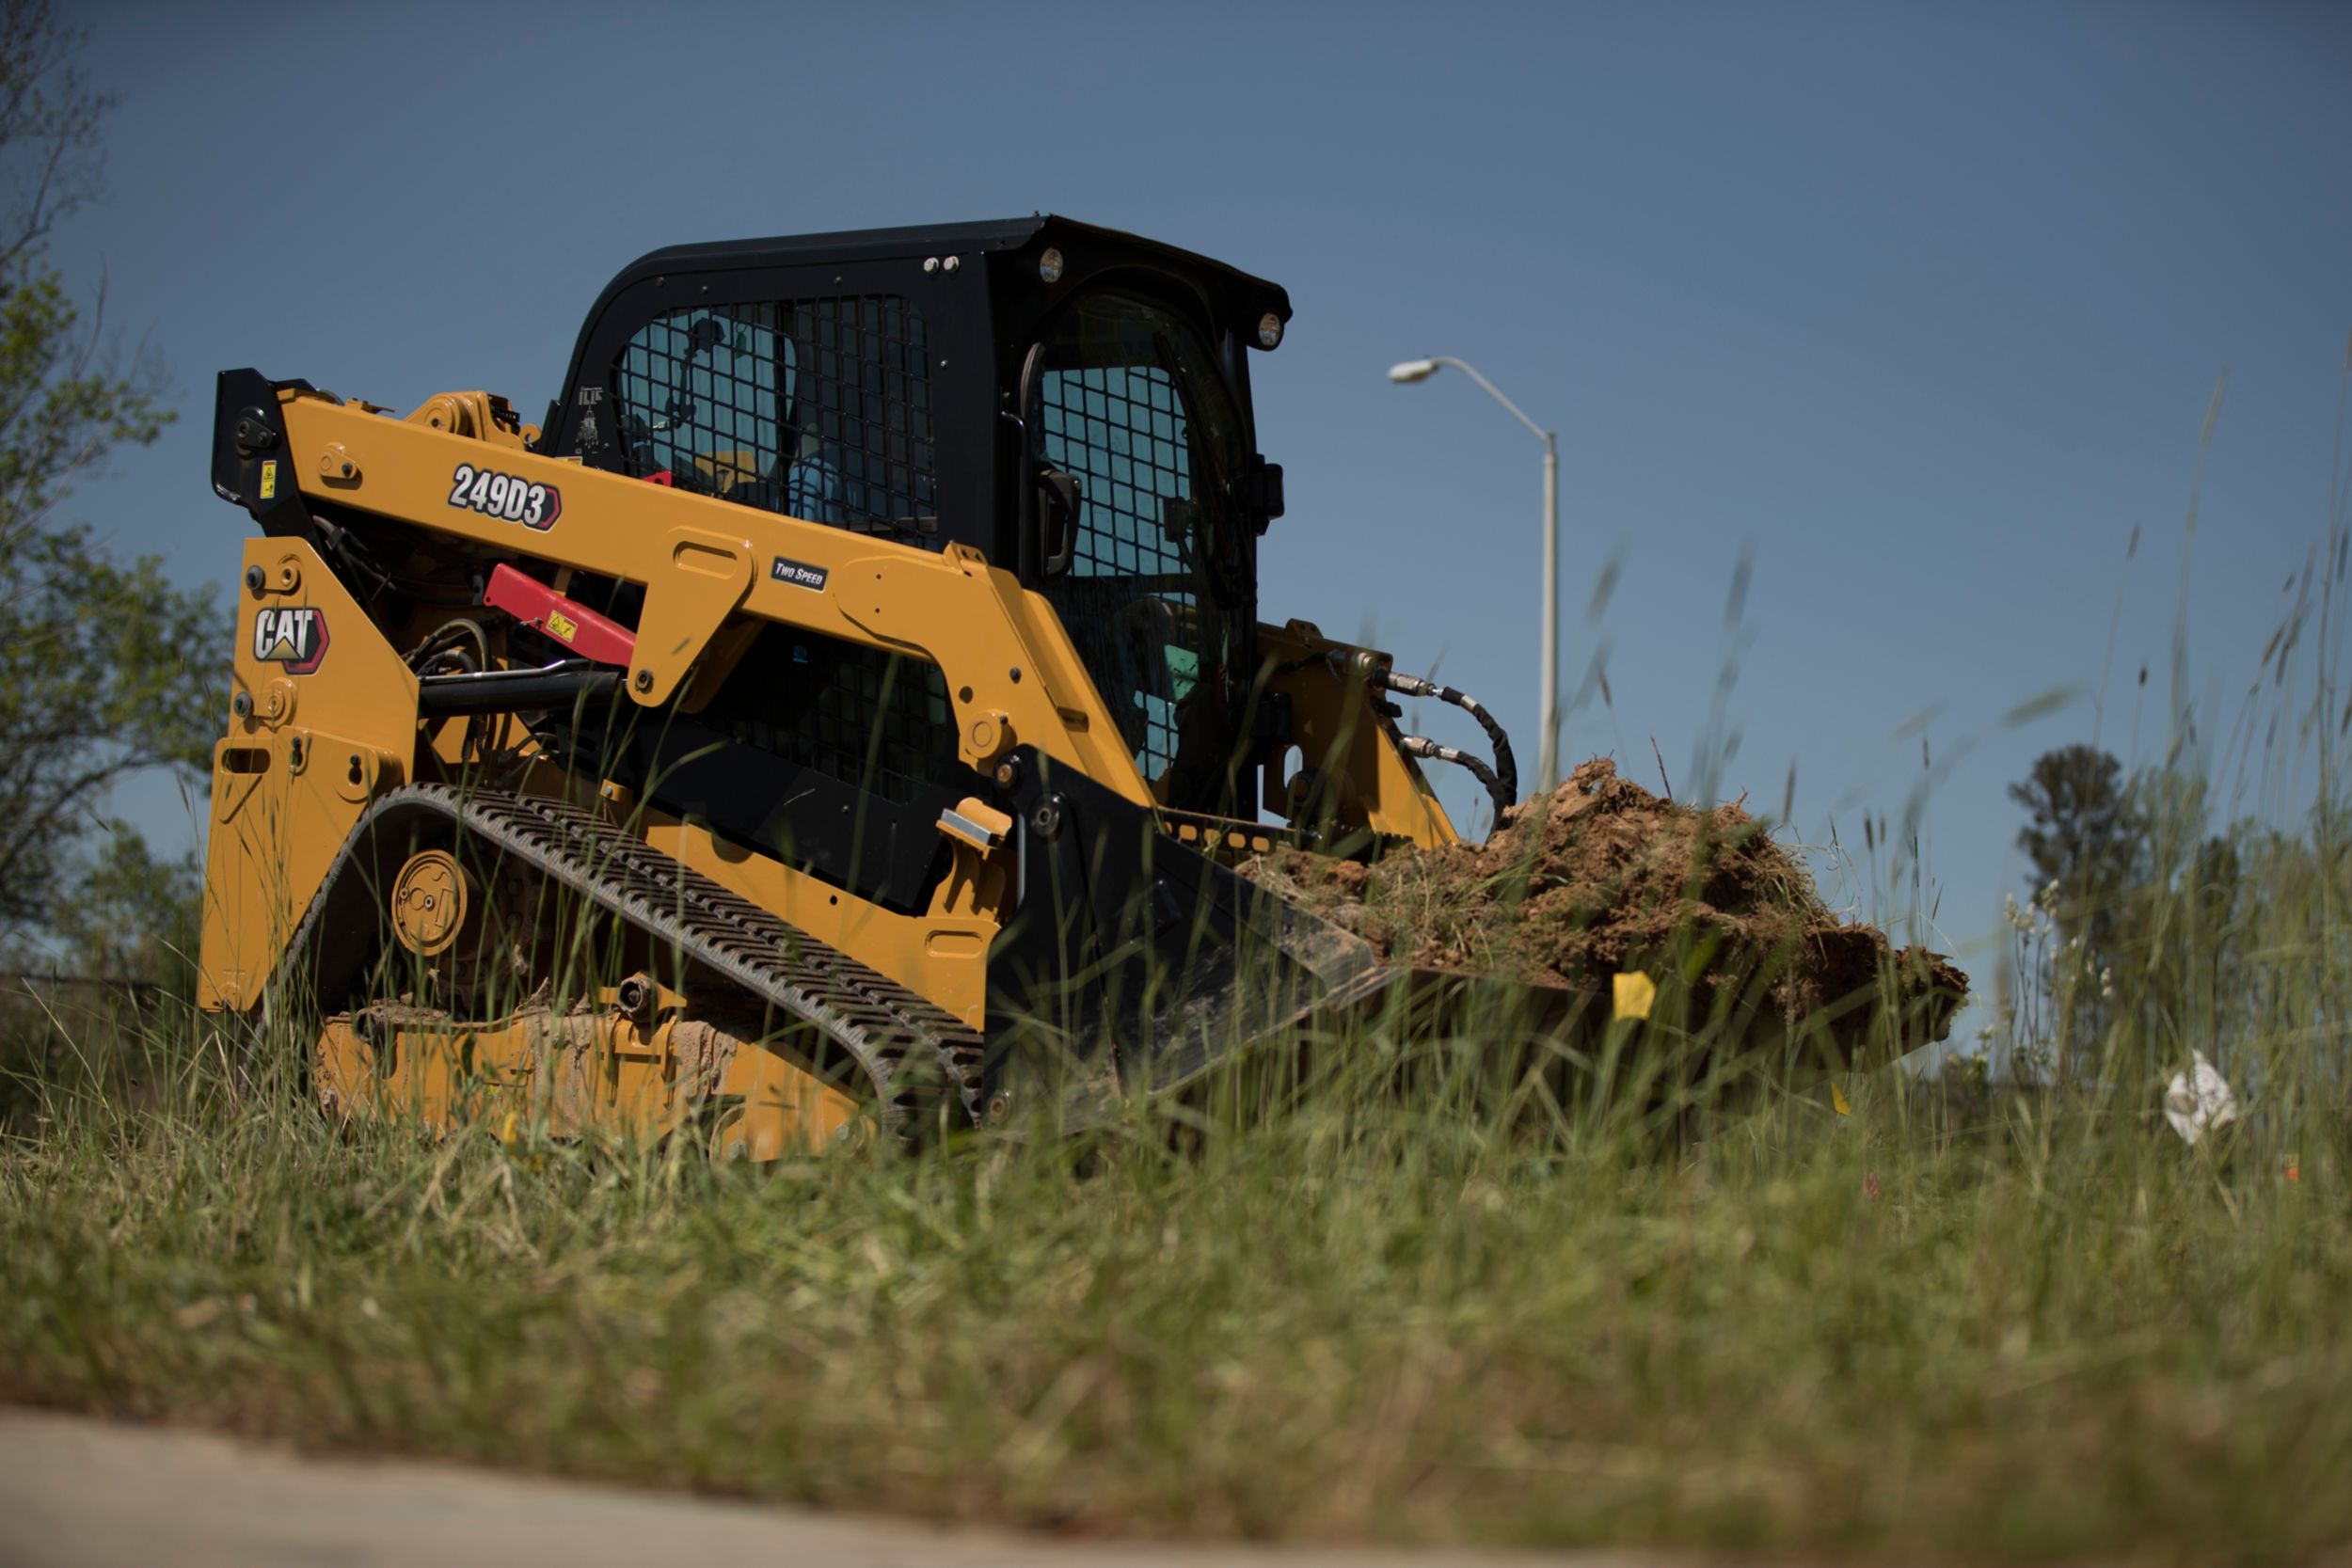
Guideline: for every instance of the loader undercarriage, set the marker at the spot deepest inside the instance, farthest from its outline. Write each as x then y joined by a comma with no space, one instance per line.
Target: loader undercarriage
800,1033
611,1068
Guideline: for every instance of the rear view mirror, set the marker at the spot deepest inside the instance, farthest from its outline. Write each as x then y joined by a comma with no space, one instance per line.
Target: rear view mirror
1260,493
1058,502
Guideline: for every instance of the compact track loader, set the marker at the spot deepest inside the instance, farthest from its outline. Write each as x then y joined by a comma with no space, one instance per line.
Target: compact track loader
844,710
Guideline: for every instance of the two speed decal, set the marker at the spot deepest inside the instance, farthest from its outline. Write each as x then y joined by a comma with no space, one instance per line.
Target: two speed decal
799,574
510,497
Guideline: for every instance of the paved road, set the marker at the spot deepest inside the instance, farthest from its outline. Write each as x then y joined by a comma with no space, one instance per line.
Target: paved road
79,1493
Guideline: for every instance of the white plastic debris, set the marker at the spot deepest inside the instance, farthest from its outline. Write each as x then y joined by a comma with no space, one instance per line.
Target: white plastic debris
2198,1101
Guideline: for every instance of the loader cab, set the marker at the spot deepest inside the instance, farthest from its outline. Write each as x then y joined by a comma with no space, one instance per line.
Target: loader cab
1072,401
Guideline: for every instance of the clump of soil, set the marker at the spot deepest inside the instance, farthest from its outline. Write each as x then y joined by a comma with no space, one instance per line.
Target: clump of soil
1601,877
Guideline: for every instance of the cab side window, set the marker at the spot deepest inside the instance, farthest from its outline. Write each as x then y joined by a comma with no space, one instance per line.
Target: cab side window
820,409
1127,405
702,396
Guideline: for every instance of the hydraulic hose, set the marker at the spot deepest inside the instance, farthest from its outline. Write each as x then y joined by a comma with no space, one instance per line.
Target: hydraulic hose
556,686
1504,779
1422,746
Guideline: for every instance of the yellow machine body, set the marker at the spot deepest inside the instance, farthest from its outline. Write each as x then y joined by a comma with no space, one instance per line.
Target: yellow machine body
331,720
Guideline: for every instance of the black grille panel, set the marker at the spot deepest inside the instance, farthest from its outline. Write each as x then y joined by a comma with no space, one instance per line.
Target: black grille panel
867,718
819,409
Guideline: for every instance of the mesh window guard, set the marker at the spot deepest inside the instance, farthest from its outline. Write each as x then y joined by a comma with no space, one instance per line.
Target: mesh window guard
1130,403
819,409
1120,430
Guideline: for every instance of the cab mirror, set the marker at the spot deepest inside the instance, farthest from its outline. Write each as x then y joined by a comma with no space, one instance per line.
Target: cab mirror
1260,493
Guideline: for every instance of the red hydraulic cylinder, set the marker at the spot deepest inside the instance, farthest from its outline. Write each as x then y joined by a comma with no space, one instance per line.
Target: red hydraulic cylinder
535,605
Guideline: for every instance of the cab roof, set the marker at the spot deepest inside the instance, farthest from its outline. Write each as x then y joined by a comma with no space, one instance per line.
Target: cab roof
1239,294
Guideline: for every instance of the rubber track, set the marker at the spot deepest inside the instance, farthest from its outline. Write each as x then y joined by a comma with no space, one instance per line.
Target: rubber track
879,1024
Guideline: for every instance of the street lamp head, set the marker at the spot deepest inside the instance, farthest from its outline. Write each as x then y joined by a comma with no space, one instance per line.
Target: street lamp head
1413,370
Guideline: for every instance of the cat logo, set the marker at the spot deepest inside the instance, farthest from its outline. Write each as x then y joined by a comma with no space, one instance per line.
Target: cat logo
293,636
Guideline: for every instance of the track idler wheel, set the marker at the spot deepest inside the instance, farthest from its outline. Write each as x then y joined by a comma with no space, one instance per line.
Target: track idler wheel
429,902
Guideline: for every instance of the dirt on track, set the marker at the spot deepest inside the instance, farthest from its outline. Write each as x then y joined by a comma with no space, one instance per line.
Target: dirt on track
1601,877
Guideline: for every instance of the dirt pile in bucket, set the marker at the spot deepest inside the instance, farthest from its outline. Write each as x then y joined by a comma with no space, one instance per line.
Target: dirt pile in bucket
1601,877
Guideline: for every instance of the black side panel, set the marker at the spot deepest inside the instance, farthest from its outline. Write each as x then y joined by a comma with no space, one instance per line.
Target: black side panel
885,851
828,756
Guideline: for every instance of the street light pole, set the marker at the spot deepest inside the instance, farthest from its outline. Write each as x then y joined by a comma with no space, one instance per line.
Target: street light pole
1548,746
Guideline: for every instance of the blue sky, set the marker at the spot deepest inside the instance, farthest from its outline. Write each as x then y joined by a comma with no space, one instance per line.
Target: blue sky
1923,307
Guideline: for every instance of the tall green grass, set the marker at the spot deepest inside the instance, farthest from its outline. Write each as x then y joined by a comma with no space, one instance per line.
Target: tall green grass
1965,1320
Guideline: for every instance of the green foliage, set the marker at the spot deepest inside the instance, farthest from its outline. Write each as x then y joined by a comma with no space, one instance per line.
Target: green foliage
134,917
2154,930
106,667
2083,832
62,406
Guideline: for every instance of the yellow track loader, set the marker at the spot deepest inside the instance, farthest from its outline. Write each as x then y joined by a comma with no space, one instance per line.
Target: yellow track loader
851,690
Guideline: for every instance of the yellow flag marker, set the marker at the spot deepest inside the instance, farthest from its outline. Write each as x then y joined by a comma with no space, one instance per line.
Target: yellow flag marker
1633,994
1839,1102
